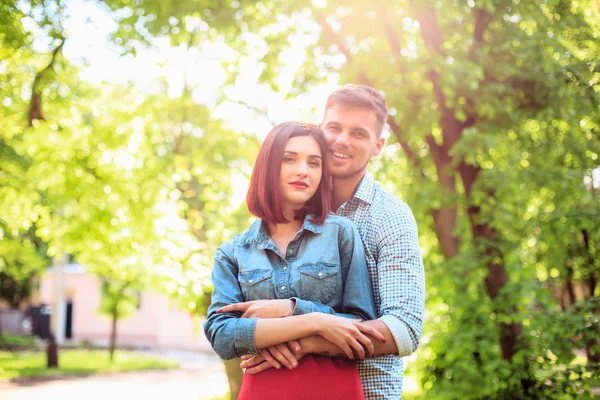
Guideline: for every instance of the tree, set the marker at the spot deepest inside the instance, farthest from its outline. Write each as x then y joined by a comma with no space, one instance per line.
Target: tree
492,104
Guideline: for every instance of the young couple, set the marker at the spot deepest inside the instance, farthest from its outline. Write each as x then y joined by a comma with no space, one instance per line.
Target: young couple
304,292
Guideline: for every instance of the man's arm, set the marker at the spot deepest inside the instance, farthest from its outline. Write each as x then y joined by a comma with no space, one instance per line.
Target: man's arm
289,354
318,345
401,279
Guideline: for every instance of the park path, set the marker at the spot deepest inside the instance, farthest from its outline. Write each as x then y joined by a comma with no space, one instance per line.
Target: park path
201,376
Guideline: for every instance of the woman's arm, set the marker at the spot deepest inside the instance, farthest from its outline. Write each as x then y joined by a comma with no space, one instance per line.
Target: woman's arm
229,335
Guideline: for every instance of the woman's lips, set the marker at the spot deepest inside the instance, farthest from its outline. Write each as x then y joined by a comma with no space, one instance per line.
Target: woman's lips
299,185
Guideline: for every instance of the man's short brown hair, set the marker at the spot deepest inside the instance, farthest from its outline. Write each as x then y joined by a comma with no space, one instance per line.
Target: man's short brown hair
363,97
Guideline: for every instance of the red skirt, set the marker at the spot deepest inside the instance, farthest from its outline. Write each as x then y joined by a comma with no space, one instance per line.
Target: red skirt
314,378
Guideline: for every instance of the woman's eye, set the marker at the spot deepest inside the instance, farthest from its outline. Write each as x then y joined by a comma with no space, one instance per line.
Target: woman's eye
315,164
288,159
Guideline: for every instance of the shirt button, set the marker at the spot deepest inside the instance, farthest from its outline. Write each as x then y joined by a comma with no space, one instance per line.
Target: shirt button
250,281
320,274
283,288
290,252
284,267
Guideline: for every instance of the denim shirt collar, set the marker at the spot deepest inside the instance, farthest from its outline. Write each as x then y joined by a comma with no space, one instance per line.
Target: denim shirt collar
365,190
257,233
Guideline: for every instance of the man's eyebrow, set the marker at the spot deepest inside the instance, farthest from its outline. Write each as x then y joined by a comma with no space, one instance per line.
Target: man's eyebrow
333,123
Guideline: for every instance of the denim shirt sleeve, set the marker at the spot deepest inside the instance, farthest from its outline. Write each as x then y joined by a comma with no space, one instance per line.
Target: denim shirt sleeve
357,300
229,335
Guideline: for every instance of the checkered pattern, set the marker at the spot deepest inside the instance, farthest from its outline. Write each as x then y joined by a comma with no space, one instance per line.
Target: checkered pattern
389,232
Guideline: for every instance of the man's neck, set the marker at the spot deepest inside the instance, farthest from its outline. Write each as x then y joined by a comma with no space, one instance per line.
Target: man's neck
343,189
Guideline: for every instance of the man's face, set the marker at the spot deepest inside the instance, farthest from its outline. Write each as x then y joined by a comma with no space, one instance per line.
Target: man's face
352,136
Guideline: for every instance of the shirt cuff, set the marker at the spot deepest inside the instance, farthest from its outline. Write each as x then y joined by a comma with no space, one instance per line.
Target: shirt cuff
400,333
302,306
244,336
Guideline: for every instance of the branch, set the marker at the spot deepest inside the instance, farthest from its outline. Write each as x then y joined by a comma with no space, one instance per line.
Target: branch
410,155
482,20
35,111
391,36
257,110
322,21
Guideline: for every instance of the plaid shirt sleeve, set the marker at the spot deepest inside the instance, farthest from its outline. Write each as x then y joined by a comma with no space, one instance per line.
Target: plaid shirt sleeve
401,278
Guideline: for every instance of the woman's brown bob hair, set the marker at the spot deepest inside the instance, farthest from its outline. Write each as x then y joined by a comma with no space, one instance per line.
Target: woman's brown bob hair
264,195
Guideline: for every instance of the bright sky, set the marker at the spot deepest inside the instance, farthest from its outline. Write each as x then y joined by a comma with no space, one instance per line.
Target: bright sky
88,28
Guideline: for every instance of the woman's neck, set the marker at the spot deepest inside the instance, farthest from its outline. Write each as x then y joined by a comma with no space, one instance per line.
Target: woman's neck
282,234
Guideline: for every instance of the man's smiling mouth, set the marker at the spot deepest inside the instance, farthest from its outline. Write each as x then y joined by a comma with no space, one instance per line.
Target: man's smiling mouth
341,155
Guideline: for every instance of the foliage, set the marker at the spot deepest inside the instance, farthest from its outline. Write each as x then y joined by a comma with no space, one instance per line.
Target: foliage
11,340
76,362
492,140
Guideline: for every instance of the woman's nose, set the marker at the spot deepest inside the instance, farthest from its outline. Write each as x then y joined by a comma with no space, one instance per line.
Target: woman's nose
302,169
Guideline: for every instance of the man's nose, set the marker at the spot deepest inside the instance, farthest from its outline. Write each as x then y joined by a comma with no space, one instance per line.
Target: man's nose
342,139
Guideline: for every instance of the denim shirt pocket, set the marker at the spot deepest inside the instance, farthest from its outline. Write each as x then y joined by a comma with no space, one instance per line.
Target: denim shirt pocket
318,282
257,284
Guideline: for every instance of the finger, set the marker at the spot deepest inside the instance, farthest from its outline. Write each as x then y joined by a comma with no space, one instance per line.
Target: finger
249,313
234,307
269,358
359,351
367,345
346,349
252,362
276,353
247,357
294,345
259,368
371,331
287,353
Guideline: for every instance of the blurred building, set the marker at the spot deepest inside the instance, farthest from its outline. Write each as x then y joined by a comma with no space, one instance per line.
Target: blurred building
156,323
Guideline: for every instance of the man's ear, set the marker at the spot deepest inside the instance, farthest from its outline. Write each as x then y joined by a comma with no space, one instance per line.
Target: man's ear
378,147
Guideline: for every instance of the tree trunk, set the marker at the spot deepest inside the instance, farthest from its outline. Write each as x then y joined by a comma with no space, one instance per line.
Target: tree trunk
569,284
113,333
52,353
234,376
497,277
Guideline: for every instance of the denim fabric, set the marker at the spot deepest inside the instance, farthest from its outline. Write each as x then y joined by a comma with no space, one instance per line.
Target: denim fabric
324,270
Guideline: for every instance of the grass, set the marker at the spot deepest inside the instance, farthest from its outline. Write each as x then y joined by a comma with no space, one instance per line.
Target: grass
75,362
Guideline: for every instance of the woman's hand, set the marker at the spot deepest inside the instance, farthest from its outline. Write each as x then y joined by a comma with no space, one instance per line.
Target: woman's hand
348,334
262,308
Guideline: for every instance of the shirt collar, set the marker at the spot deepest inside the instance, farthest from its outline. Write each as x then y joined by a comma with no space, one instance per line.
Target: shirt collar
257,232
365,190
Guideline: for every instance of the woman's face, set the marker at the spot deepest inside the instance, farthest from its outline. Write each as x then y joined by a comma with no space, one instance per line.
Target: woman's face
301,169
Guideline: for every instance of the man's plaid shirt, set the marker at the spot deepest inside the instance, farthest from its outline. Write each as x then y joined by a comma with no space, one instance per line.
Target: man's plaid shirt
389,232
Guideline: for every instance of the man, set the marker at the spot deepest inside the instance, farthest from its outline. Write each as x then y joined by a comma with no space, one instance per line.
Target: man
353,122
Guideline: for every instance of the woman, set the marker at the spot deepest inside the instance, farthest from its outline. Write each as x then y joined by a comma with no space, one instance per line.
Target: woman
295,250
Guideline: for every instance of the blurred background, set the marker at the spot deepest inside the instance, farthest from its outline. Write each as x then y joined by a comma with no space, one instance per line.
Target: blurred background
128,129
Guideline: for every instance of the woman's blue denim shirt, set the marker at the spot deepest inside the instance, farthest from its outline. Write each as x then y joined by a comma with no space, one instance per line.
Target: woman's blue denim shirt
323,270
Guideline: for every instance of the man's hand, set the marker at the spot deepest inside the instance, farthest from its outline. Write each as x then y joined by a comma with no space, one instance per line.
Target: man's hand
286,354
262,308
349,335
